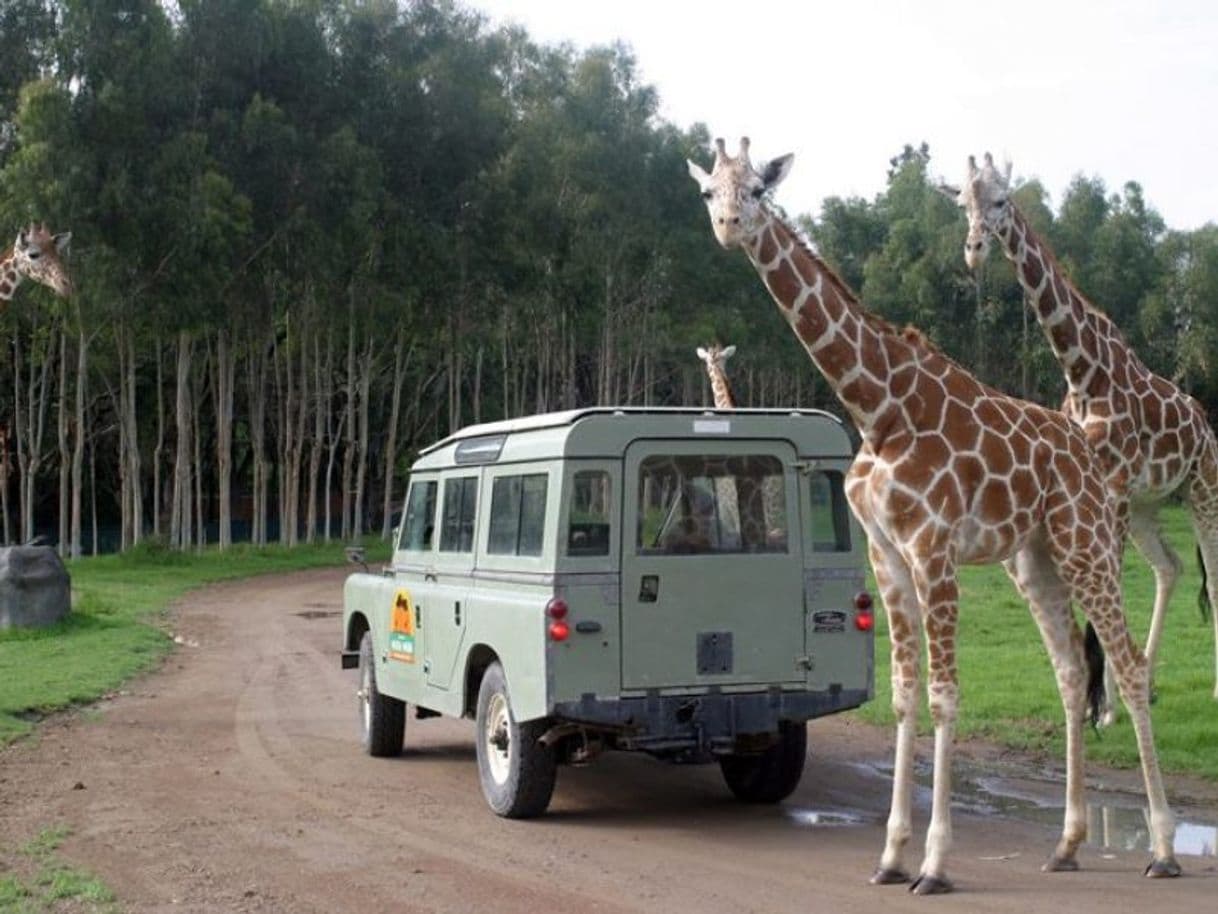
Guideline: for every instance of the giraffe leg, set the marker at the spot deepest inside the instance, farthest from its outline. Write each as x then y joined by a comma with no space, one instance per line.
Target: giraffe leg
1036,578
938,594
1207,541
1147,535
1203,496
897,591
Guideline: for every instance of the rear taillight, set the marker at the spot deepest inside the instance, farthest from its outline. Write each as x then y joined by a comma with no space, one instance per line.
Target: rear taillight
556,612
864,618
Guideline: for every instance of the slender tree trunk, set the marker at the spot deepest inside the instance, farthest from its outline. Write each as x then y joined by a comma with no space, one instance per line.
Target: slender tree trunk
257,396
180,521
332,437
158,452
65,468
321,408
225,375
348,479
96,548
6,468
133,448
196,422
401,359
361,469
78,444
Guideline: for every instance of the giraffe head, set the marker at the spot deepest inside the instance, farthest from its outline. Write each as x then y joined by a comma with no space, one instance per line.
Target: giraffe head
733,191
716,356
36,255
986,201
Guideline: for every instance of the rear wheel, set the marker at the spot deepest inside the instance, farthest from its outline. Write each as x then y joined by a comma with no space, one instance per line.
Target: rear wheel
517,772
772,775
383,719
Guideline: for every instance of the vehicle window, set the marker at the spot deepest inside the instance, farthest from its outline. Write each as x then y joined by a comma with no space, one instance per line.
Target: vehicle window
518,515
830,515
588,520
457,527
690,504
420,520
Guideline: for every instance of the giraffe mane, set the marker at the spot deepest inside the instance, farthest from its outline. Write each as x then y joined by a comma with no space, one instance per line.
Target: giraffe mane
909,334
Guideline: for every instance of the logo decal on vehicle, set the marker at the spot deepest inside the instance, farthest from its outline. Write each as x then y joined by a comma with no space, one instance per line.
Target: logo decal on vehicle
829,620
401,628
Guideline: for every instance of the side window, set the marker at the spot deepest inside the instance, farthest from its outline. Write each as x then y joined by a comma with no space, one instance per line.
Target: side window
518,515
420,520
830,516
460,502
588,521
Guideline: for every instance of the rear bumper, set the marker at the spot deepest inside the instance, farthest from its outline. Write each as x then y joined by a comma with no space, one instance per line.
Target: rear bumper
707,723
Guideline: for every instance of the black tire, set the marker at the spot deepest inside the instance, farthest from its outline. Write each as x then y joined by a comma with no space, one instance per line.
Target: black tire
382,719
772,775
517,772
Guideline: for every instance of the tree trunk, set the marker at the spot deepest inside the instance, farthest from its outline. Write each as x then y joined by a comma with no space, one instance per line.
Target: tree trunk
401,359
158,452
180,520
349,418
64,459
361,469
225,376
133,447
321,409
78,445
256,375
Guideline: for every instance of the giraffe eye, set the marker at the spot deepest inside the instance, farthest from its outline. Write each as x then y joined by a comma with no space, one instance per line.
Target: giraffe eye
758,191
34,255
706,195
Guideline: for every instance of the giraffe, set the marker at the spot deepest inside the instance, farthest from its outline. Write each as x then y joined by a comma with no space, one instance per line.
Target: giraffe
715,357
35,254
951,472
1153,439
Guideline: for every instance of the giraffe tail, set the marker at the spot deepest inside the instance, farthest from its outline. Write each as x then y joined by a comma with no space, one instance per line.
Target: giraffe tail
1203,598
1094,654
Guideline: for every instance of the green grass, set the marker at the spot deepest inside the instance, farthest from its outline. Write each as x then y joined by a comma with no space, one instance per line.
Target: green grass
38,880
1008,691
117,625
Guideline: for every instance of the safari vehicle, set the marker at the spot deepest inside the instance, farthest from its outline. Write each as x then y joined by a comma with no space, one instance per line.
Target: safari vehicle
682,582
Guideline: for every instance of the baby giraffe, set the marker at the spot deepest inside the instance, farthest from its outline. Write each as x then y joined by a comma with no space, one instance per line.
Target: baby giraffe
36,255
716,358
951,472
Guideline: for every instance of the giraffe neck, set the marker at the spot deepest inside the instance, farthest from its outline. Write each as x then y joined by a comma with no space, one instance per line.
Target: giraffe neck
720,388
1082,338
9,277
855,351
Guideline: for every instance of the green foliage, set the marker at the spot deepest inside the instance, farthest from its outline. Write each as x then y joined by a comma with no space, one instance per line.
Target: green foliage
42,880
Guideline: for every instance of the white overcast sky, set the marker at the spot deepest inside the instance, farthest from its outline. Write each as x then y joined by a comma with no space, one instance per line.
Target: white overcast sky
1120,90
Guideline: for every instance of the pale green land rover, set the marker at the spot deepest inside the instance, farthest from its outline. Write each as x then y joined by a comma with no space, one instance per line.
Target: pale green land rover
683,582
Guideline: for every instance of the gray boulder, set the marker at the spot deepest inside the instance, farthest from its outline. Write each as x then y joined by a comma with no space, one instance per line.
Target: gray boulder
35,589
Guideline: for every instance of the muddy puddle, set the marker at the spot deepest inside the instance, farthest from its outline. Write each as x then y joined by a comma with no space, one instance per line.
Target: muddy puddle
1116,820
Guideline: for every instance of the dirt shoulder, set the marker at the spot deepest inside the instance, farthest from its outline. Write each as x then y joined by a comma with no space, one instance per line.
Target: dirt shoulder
232,780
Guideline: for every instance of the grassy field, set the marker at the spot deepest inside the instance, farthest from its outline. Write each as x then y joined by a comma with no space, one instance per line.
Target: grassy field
37,880
1008,692
117,628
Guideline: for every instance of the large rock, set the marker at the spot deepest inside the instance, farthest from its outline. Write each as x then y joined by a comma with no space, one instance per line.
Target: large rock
34,586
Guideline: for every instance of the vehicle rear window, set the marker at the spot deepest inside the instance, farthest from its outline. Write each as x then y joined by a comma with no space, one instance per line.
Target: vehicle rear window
588,521
518,515
830,515
420,520
460,503
691,504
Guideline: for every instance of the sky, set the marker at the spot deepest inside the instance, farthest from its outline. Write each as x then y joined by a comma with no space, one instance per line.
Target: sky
1123,91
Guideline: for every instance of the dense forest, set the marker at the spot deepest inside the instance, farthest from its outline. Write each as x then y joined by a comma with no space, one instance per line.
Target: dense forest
312,237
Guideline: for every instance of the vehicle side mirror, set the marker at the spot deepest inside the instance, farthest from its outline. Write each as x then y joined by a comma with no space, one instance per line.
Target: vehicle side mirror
357,555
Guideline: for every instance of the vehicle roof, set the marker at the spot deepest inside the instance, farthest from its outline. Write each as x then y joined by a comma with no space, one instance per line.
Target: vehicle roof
606,431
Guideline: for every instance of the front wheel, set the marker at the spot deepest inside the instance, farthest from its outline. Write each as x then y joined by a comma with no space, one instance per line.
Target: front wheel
772,775
517,772
382,718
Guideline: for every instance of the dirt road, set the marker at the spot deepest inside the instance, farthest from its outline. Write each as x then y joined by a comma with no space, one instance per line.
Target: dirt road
232,780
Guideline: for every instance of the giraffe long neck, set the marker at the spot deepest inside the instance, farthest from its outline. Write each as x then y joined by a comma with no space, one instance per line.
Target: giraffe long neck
843,341
1081,336
721,389
9,277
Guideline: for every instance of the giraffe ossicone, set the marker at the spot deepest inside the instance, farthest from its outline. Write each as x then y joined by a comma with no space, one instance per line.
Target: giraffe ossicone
1153,439
951,472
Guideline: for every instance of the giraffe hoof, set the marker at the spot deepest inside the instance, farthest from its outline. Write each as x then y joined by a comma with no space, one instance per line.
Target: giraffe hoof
884,876
1164,868
1060,865
930,885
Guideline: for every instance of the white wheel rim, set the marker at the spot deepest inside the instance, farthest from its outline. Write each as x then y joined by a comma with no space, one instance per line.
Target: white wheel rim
498,738
365,696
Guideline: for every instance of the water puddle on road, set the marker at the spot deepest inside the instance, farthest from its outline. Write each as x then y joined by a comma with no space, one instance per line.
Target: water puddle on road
822,818
1115,820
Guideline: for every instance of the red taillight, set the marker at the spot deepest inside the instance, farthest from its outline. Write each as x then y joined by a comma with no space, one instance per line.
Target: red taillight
556,609
862,600
864,621
559,631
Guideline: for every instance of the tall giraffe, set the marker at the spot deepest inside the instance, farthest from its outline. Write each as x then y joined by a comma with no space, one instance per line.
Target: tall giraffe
951,472
36,255
715,357
1153,439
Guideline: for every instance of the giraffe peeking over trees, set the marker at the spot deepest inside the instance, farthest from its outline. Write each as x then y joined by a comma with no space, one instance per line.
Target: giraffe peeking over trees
1152,439
952,472
35,255
715,357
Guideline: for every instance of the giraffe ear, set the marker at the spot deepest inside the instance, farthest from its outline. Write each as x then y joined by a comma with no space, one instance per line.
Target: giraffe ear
696,172
952,193
729,352
62,240
775,170
703,354
23,239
